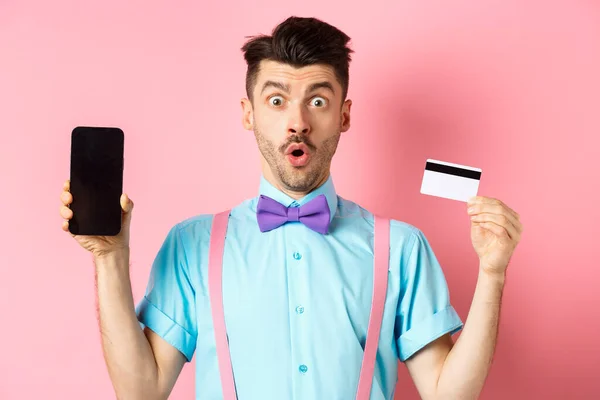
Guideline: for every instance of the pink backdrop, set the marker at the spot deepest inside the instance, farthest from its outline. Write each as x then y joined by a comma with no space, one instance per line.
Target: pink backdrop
509,87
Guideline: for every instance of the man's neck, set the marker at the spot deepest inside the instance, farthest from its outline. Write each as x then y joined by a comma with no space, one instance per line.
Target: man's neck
296,195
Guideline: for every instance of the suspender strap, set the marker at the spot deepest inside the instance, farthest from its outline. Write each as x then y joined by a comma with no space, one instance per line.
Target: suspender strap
380,280
215,283
215,286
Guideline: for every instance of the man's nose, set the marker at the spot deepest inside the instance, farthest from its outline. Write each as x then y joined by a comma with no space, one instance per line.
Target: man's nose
298,121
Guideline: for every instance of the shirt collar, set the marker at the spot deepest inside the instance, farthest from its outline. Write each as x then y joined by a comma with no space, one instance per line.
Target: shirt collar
327,188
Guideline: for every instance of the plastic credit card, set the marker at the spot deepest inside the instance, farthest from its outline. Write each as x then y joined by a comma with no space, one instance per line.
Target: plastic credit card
450,181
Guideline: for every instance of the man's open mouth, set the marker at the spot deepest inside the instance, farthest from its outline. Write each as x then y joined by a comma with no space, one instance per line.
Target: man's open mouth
297,154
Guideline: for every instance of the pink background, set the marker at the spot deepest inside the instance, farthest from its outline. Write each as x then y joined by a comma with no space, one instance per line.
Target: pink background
512,87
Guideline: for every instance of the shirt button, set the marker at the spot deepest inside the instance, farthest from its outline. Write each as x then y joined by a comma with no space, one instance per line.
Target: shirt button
303,368
297,256
299,310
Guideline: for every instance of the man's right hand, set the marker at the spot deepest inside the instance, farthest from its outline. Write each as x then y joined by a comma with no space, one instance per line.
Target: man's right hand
99,246
141,364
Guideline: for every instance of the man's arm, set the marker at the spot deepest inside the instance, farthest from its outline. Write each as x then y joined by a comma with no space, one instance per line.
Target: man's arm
447,370
141,365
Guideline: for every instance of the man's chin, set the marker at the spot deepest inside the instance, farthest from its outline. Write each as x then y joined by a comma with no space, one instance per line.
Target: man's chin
298,178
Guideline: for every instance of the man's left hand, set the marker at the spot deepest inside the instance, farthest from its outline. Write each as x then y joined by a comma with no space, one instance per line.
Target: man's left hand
495,232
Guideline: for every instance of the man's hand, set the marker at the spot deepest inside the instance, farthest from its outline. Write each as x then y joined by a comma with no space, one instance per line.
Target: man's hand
98,245
495,232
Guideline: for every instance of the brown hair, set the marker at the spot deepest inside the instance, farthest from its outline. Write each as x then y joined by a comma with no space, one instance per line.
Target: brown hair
300,42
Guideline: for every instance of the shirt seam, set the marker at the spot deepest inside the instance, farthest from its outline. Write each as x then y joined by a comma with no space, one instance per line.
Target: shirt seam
166,316
186,269
405,261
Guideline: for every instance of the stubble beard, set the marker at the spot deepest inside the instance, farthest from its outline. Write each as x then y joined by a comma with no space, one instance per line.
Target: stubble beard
298,179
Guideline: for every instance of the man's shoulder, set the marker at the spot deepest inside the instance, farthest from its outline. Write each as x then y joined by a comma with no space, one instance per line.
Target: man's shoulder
350,209
196,227
198,221
199,225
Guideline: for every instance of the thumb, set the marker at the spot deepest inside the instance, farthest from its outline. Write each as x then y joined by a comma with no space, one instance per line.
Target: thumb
127,207
126,204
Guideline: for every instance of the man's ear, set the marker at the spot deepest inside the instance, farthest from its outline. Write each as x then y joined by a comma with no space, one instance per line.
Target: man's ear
247,114
345,123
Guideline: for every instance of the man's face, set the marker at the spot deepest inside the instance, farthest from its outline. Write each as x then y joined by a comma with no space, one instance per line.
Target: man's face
297,118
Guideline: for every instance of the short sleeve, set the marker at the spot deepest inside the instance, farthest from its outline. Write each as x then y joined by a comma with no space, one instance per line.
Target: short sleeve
424,311
168,306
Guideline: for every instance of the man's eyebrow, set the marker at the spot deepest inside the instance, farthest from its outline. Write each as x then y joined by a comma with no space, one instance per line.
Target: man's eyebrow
321,85
278,85
286,88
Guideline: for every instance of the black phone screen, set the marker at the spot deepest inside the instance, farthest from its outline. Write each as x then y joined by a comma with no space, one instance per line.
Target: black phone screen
96,180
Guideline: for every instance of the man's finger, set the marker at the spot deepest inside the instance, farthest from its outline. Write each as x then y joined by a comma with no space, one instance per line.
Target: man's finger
497,209
66,198
126,203
499,220
496,229
490,200
66,212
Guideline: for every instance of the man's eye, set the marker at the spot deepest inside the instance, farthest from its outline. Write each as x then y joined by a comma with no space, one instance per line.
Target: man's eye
318,102
276,101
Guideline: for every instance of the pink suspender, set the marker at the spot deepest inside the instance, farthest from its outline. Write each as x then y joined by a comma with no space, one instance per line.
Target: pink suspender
215,282
380,277
215,279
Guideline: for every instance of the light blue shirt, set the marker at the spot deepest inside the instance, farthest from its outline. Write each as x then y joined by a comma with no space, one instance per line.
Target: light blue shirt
297,302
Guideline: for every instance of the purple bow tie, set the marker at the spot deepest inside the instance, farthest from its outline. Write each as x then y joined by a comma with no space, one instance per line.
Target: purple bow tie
272,214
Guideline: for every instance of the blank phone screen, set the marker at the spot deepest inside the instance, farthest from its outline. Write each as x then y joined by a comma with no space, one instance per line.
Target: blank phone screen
96,180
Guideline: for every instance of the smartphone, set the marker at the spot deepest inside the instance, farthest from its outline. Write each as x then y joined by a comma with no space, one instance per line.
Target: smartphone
96,180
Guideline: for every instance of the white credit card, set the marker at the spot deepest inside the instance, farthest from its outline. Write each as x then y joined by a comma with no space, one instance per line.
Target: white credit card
450,181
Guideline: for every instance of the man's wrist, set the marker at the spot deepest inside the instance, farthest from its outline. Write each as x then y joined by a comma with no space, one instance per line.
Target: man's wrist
117,257
492,278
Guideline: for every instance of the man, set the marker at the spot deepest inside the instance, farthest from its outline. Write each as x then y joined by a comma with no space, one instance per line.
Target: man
297,294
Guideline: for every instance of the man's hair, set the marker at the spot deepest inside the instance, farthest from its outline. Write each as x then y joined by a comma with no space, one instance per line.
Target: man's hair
300,42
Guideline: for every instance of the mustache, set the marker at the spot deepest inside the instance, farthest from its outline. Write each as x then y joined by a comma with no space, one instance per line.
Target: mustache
297,139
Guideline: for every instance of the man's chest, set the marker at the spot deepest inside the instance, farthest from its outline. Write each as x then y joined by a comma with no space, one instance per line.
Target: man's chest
299,275
295,282
295,304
